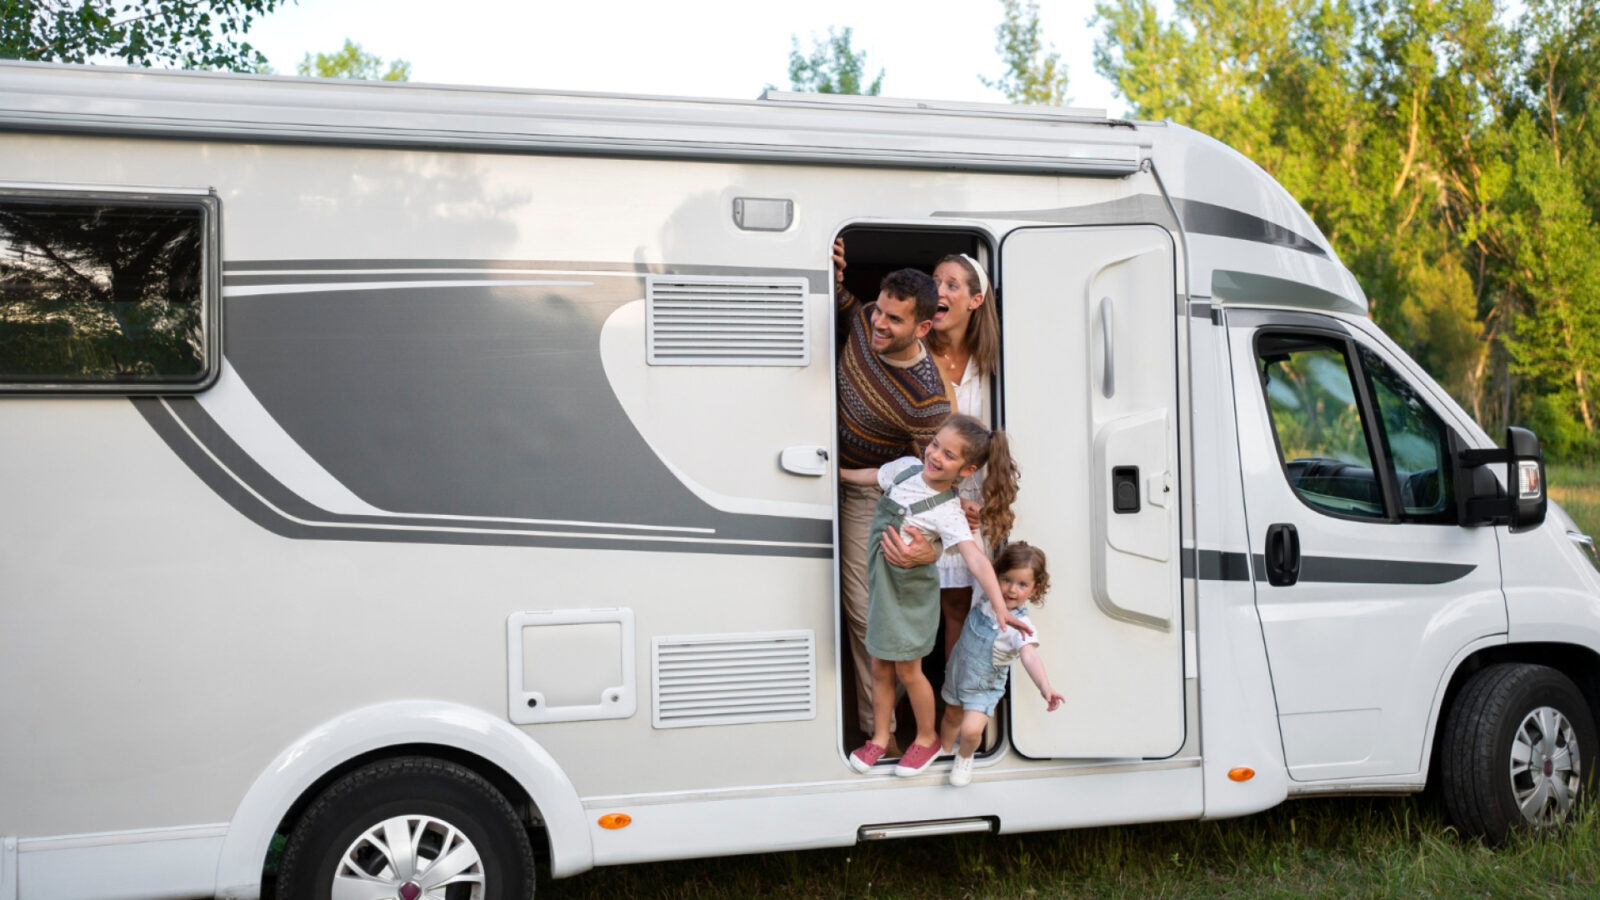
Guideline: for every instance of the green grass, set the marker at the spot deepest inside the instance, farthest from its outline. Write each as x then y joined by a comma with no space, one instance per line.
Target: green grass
1361,847
1577,489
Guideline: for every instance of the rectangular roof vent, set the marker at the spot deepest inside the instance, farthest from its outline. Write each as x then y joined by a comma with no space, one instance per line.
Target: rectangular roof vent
713,321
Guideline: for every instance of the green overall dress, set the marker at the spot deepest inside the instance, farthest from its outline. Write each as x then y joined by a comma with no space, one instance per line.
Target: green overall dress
903,604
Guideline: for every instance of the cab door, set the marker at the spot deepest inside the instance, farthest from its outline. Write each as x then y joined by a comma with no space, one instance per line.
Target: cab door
1365,584
1090,401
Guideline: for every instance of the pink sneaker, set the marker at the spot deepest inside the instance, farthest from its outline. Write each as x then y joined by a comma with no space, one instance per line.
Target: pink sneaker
865,756
916,760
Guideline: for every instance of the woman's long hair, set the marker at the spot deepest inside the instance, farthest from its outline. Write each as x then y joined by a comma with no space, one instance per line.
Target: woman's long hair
991,448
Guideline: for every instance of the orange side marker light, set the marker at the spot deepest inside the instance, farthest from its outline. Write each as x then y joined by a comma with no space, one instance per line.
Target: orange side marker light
615,820
1242,773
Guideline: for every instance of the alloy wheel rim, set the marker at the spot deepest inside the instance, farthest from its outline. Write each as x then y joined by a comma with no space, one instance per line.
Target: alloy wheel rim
410,858
1546,767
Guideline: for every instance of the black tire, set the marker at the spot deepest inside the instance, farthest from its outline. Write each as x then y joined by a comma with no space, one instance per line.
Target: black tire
1498,710
433,797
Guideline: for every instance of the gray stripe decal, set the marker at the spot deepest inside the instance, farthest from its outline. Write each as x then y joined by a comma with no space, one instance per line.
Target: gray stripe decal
253,271
1344,570
1216,565
1221,221
1197,218
241,498
485,401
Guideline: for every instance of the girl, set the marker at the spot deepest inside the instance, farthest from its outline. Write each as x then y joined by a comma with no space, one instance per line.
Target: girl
975,676
903,605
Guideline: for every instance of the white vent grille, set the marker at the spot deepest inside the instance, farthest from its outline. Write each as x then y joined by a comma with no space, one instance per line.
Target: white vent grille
734,679
704,321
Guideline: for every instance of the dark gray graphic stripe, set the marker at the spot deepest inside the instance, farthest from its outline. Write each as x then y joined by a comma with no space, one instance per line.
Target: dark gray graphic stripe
253,501
1196,217
1221,221
465,409
1345,570
1216,565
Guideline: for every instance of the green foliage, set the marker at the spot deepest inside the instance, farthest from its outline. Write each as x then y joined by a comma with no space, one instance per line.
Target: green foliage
1445,148
191,34
350,61
832,68
1035,75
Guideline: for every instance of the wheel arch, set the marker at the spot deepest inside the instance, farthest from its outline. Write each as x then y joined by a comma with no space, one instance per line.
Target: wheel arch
1580,664
509,759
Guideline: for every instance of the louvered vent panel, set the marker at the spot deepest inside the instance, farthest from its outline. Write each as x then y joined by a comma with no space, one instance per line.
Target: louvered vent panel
734,679
727,321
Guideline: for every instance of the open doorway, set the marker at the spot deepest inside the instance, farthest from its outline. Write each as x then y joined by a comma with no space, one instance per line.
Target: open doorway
871,252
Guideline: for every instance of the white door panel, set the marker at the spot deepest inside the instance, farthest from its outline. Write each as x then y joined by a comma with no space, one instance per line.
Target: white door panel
1090,386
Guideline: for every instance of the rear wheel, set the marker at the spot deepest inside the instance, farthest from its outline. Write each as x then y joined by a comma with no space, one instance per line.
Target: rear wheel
411,828
1519,747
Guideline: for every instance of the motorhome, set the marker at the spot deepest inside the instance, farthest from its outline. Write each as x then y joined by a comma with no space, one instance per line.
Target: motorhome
401,479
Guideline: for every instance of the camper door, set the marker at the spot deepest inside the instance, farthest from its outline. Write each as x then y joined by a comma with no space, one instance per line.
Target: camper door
1090,405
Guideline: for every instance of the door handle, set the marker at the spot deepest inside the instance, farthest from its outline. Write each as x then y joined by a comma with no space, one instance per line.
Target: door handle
1283,555
806,459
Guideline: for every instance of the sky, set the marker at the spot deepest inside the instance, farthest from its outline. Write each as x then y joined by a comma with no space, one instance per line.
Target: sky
932,49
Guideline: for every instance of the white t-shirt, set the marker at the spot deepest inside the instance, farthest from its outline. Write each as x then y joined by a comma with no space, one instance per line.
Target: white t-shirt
944,521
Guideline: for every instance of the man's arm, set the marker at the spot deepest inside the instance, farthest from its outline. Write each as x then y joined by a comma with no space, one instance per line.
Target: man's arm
844,301
863,477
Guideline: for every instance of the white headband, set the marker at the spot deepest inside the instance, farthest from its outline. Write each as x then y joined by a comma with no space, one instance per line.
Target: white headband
983,277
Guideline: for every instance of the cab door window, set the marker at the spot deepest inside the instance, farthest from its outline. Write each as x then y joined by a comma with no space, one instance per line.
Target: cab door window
1318,419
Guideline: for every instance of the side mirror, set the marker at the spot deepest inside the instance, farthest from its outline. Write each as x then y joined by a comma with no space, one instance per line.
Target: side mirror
1479,498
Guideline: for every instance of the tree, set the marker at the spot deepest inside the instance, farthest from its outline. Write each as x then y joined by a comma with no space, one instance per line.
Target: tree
1036,76
352,62
190,34
832,68
1445,148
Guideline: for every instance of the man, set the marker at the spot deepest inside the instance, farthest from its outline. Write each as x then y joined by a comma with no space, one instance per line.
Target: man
891,401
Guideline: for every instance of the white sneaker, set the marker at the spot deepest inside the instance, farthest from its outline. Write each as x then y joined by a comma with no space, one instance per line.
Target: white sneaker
961,771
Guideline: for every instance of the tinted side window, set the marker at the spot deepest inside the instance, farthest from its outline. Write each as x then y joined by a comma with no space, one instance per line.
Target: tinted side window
96,292
1418,443
1316,416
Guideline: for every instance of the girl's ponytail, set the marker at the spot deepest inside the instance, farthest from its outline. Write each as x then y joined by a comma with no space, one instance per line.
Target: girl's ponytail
985,447
999,491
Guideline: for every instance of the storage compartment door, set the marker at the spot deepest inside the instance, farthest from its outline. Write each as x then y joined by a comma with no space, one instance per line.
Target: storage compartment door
1090,400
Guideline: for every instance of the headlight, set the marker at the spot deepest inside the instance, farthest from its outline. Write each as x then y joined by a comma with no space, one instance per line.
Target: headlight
1586,544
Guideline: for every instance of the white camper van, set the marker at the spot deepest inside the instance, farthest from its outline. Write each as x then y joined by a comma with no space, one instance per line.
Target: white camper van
411,477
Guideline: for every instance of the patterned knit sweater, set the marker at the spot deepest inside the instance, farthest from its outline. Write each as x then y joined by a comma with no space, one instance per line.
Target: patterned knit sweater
885,411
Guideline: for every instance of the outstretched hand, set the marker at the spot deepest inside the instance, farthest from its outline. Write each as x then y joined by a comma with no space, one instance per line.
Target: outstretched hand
905,555
1053,700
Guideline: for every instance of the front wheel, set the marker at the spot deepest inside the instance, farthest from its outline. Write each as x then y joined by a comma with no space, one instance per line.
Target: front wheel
1519,747
411,828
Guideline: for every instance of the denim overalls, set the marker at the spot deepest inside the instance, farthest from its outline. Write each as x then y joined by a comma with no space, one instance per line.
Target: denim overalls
973,679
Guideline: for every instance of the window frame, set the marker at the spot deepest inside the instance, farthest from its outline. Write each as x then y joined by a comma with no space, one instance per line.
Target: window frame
209,205
1366,406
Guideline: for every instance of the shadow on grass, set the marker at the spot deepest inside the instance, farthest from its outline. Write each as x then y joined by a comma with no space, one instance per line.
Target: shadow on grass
1365,847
